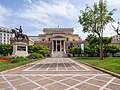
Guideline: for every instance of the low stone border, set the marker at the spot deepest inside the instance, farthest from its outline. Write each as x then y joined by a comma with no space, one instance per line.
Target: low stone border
20,66
103,70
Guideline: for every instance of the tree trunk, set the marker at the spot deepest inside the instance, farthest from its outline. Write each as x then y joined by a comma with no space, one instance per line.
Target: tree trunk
101,49
73,55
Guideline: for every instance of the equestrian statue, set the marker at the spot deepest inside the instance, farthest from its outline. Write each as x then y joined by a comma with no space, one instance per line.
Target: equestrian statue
18,34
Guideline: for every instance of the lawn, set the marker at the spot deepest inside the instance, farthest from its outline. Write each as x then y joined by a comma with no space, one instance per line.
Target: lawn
9,65
109,63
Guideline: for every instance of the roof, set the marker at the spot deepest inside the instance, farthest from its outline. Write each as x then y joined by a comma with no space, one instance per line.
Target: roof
4,29
58,30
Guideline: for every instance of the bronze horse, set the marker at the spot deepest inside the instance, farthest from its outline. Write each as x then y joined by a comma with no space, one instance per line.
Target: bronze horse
19,35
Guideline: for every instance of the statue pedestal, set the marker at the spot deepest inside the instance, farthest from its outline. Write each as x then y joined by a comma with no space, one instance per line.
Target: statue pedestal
20,49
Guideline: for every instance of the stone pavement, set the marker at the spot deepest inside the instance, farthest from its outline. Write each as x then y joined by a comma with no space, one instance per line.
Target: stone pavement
57,74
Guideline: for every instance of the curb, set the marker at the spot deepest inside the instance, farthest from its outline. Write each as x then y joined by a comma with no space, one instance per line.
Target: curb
20,66
103,70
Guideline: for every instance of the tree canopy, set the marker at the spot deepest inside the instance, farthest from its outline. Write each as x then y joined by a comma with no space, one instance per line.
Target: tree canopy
94,19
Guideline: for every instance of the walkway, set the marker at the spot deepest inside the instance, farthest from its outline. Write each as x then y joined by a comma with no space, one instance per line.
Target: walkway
57,74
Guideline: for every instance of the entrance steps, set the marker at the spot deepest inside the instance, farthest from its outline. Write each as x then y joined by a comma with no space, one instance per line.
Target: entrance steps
58,54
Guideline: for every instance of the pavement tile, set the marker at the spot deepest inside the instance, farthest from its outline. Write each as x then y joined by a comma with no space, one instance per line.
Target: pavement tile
4,85
56,86
85,86
105,89
21,81
70,82
57,78
53,66
81,78
73,89
116,80
105,78
44,82
2,79
40,89
29,86
13,77
35,77
9,88
97,82
113,86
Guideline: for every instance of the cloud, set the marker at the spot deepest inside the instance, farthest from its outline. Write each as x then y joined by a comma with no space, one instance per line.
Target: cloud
29,1
4,14
113,2
46,12
109,31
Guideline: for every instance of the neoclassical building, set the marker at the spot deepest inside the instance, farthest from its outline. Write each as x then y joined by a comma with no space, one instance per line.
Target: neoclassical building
5,35
58,39
116,39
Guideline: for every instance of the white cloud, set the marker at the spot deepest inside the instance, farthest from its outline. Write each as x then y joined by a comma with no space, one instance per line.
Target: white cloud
45,13
29,1
109,31
4,13
113,2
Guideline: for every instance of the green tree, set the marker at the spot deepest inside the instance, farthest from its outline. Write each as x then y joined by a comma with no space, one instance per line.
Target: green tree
95,40
92,49
89,37
95,19
75,50
111,48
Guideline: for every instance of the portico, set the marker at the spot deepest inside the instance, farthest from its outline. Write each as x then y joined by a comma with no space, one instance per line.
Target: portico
58,44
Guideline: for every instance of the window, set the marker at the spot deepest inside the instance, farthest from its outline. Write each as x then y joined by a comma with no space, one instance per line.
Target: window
43,39
71,45
67,39
48,39
4,34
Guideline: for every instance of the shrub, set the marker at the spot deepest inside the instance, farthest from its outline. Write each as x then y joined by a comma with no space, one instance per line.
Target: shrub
35,56
41,56
38,49
19,59
75,50
6,49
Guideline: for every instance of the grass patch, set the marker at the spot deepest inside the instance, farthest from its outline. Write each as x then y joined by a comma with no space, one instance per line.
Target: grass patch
109,63
15,63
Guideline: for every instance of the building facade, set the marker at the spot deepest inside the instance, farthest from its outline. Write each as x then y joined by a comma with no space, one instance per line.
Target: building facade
5,35
58,39
116,39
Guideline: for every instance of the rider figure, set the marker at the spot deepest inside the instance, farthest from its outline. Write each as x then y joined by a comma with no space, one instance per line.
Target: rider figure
20,30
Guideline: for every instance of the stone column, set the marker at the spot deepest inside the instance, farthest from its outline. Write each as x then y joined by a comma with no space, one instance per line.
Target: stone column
52,46
64,47
56,45
60,46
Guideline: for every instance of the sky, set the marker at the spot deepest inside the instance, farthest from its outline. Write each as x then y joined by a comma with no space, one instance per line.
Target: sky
34,15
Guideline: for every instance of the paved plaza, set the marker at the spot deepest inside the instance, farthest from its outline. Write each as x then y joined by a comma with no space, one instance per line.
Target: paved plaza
57,74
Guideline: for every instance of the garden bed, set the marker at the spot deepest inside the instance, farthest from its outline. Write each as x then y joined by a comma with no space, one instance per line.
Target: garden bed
110,63
15,63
